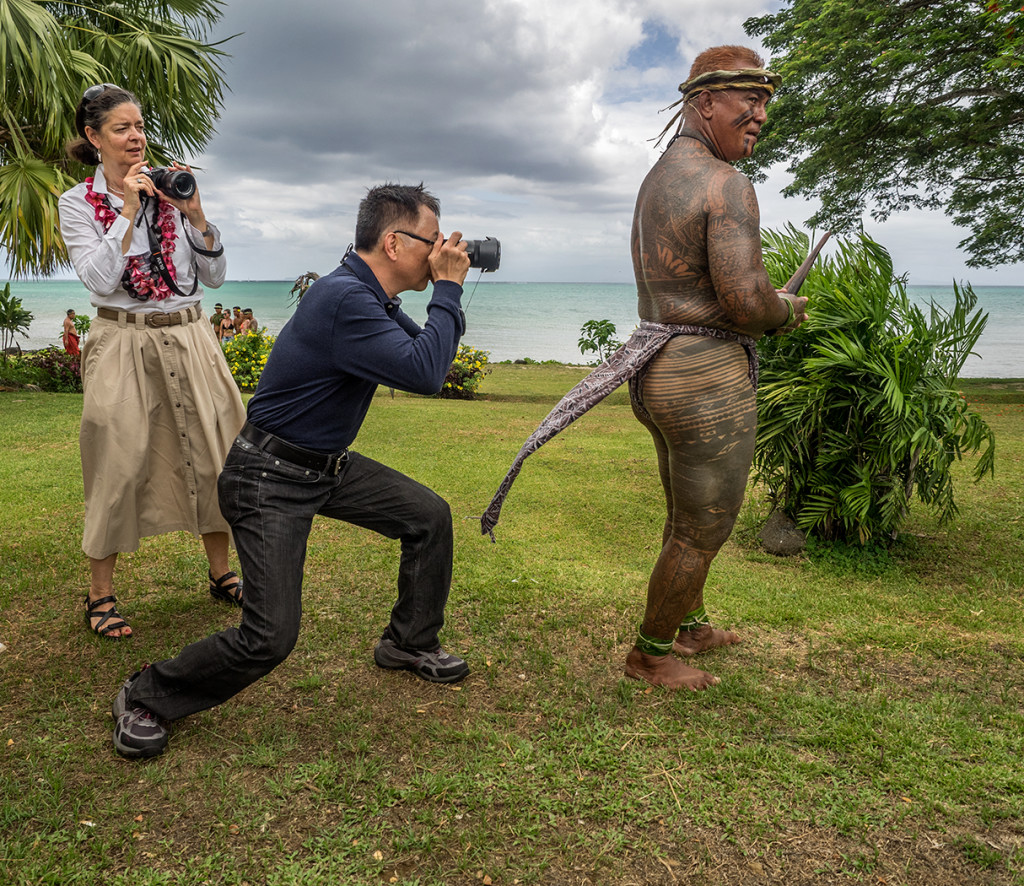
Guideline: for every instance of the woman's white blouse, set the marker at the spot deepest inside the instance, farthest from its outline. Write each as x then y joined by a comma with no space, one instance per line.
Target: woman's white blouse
97,259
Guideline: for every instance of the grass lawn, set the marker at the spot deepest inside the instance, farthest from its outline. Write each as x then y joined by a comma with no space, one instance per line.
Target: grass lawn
869,729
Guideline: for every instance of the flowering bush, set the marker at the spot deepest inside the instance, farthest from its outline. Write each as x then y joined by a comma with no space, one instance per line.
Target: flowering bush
53,370
465,374
246,356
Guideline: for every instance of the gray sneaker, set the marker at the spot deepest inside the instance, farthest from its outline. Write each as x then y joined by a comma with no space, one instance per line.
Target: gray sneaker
437,666
137,731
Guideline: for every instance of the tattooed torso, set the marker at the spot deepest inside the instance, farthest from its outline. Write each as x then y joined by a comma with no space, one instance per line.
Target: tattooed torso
696,245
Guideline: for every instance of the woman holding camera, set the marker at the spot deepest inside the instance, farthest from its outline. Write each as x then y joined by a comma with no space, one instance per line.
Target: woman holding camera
160,408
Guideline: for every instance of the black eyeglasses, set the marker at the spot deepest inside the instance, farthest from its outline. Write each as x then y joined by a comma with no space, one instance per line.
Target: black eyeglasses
97,90
416,237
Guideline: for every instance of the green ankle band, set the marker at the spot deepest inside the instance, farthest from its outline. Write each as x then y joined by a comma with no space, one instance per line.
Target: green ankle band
652,645
696,619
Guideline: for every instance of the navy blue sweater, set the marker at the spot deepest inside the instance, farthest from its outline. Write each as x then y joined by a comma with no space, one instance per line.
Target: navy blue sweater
345,338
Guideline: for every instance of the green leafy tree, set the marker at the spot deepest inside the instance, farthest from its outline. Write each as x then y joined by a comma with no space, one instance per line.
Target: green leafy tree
14,319
82,324
598,336
858,409
892,104
49,53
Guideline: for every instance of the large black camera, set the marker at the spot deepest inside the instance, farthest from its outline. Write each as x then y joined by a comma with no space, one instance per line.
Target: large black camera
177,183
484,254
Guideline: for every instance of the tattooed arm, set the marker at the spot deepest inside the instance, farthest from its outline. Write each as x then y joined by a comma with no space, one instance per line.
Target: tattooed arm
734,256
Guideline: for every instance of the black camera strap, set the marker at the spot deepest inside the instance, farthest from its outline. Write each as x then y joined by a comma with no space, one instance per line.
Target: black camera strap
156,258
212,253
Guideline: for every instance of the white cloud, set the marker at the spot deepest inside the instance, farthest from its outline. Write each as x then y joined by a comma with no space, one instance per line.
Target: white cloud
531,120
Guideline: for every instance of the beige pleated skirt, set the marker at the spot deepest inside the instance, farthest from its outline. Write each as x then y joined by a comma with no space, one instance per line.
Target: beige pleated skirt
160,412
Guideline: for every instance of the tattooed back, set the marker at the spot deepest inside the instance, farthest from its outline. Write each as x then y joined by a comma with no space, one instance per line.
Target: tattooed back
696,243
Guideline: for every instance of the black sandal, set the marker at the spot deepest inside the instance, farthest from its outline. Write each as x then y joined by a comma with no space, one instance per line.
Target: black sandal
102,628
228,594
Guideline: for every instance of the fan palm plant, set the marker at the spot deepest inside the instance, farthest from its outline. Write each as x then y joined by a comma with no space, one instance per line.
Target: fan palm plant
14,320
858,410
49,53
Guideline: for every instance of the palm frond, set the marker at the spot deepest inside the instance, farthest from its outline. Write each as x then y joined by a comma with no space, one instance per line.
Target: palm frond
857,409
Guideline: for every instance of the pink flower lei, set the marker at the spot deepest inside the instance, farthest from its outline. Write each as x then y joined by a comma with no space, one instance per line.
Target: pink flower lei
139,281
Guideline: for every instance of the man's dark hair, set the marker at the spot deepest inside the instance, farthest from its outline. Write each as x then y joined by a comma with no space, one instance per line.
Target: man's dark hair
388,205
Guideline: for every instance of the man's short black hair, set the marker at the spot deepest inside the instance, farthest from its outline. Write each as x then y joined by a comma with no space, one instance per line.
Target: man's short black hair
388,205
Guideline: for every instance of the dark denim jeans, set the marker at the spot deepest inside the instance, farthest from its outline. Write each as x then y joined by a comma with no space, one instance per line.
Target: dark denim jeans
270,504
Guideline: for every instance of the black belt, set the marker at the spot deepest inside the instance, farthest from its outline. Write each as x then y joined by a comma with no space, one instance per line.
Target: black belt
306,458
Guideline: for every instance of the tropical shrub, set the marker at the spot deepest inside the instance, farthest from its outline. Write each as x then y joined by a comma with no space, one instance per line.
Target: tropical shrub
598,336
858,410
82,325
246,356
14,375
465,374
51,369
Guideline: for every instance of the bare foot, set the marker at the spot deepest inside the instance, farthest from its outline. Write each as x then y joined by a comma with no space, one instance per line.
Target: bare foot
702,639
667,671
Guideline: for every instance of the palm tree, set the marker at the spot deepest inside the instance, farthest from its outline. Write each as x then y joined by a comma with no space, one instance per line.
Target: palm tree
14,320
49,53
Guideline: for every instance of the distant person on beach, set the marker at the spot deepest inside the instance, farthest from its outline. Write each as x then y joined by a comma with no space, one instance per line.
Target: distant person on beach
251,324
696,247
247,322
238,320
227,327
160,409
218,315
291,461
70,336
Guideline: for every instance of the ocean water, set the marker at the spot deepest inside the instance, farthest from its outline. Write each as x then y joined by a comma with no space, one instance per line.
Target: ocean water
537,320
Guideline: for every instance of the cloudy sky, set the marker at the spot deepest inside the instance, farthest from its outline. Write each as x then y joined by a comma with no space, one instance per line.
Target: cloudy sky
531,120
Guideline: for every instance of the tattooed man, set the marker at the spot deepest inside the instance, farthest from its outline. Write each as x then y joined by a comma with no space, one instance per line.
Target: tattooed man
696,247
704,299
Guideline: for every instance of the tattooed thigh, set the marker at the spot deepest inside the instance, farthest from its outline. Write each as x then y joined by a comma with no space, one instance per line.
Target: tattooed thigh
699,402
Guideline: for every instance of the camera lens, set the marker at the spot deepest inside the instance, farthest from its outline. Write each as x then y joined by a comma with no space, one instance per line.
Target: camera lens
177,183
484,254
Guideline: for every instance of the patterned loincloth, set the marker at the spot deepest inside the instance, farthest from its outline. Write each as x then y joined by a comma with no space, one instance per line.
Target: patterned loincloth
620,367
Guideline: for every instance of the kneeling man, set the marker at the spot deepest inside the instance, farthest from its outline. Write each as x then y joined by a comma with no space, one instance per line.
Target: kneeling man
291,462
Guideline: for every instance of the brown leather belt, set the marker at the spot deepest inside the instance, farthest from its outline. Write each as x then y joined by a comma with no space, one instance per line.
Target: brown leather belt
178,318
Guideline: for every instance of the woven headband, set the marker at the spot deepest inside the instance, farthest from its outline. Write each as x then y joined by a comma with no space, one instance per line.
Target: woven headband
714,81
744,78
